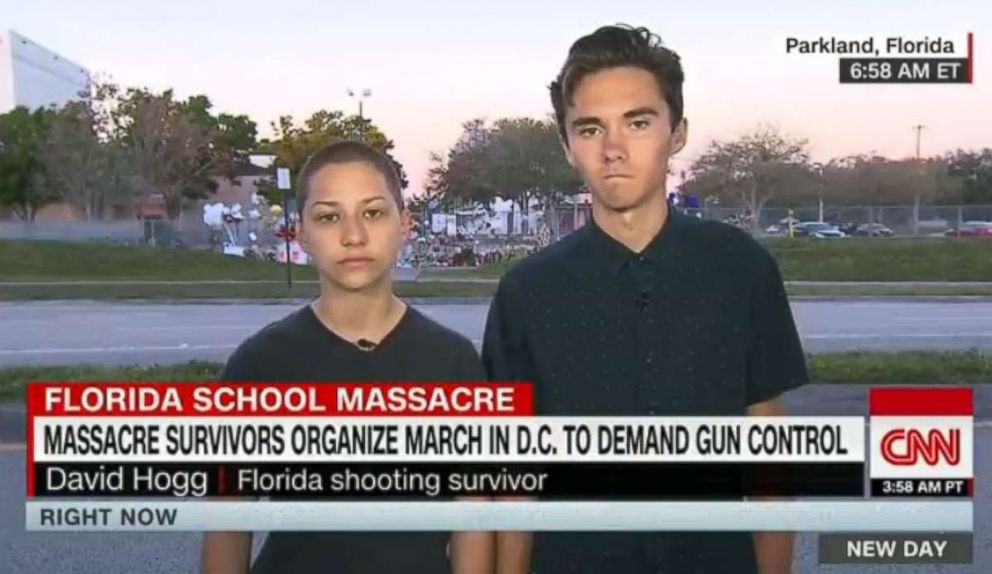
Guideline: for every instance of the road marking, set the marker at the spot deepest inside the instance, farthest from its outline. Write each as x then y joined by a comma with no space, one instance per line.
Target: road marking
154,282
973,319
984,335
186,327
124,349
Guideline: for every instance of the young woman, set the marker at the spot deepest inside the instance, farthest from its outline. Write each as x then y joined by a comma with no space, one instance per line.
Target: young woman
353,224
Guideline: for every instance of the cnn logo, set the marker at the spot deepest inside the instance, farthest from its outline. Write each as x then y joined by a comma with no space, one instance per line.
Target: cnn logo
905,447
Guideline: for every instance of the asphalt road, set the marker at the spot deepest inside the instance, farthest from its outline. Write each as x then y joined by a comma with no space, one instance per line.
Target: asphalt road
151,553
49,333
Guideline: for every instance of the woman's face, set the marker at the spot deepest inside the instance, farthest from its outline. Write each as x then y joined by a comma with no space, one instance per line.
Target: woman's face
352,226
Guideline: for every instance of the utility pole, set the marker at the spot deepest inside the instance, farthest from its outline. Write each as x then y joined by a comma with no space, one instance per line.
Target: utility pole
916,201
366,93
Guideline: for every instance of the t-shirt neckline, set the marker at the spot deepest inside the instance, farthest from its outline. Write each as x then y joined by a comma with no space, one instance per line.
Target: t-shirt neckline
337,338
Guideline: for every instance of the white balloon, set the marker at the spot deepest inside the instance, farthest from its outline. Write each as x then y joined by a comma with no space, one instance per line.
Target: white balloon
213,214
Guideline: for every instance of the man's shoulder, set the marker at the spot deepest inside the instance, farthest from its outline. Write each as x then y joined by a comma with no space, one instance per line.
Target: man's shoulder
549,262
724,243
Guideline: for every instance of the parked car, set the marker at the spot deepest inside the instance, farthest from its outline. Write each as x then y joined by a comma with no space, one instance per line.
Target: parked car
873,230
971,229
818,229
848,227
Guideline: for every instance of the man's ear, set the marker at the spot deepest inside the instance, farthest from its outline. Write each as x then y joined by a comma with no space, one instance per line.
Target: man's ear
568,151
679,136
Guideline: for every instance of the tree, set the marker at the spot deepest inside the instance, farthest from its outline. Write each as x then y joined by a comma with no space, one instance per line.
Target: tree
238,135
751,170
22,133
293,143
525,162
83,171
177,147
970,173
517,159
462,175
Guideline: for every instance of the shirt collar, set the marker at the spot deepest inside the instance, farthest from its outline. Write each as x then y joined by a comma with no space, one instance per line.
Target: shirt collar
605,253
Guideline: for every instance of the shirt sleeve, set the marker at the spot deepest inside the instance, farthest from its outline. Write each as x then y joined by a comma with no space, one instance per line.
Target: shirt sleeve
776,362
504,353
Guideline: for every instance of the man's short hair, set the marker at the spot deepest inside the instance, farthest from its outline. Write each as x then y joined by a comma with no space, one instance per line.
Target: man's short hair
347,151
615,47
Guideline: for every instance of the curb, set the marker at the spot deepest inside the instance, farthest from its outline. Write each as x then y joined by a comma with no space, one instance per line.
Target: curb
893,298
481,300
467,300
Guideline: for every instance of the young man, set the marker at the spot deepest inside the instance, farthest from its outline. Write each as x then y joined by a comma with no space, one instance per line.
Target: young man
353,224
644,311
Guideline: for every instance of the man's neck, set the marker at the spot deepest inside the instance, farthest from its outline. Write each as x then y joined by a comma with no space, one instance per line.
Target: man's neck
635,227
369,314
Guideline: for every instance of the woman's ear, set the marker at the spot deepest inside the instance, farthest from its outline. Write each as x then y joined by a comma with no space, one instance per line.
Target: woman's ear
301,236
406,223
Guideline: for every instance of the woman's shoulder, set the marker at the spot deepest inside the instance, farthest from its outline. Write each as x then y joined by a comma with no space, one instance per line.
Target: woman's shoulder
429,331
267,344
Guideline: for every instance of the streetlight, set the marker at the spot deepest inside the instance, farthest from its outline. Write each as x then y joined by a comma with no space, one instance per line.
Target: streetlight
366,93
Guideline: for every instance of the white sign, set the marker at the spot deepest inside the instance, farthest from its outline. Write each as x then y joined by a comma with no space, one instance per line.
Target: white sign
282,178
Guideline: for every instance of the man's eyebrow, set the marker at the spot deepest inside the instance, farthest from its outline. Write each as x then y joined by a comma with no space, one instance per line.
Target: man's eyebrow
595,121
641,111
586,121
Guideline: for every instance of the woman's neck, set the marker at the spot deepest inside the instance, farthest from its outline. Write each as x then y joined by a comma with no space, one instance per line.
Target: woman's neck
369,314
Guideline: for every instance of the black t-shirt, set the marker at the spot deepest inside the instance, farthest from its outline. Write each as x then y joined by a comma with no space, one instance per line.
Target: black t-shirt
698,323
300,348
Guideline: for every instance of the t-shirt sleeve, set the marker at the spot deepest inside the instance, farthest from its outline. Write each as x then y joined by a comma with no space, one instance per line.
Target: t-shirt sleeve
776,362
469,366
240,366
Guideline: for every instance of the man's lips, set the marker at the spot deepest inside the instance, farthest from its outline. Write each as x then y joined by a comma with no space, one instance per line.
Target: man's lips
355,261
616,176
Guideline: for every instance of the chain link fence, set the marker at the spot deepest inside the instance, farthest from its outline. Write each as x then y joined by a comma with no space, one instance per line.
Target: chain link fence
540,228
901,219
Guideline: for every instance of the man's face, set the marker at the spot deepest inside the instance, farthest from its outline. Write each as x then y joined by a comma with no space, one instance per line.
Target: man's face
620,136
352,226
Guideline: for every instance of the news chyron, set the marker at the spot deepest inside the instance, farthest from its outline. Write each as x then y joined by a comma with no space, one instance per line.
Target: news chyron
922,442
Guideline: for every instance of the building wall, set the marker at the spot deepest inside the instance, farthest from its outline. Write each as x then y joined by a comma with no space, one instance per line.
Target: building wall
37,76
6,74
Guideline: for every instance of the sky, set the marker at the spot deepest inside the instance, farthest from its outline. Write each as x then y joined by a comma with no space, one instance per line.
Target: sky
431,66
